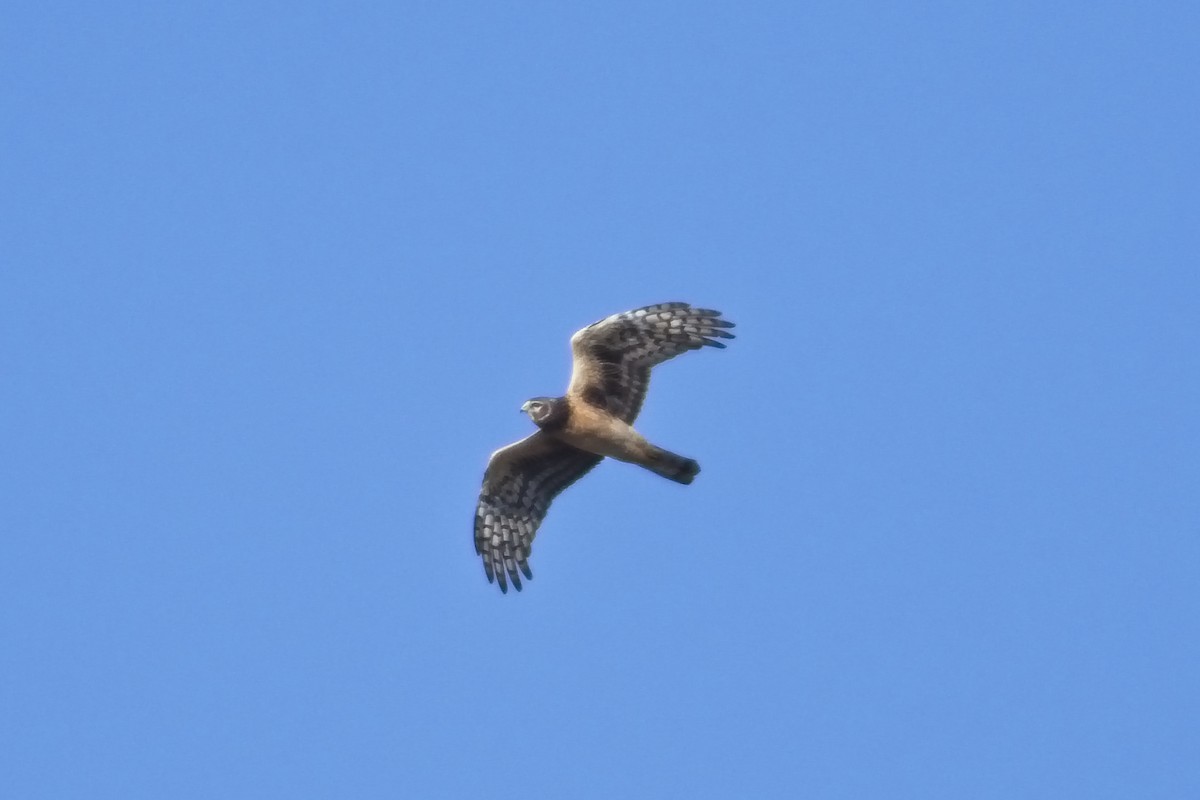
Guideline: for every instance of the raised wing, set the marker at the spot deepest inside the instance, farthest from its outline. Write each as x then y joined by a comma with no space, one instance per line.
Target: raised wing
519,484
613,357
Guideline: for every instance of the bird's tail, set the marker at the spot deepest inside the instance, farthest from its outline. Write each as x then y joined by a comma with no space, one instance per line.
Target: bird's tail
671,466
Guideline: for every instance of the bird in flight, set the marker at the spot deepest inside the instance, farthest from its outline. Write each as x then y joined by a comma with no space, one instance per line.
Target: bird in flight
609,378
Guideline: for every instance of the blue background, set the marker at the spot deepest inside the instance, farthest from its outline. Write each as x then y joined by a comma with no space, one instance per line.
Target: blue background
276,277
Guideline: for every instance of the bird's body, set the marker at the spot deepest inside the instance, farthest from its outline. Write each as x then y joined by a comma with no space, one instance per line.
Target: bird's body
591,429
593,420
603,435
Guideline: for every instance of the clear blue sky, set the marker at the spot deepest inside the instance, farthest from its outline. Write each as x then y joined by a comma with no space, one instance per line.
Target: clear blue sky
275,278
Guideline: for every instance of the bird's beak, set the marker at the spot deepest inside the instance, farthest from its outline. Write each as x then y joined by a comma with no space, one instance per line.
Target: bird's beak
524,407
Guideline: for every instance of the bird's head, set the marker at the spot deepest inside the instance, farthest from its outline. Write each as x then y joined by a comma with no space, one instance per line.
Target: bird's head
545,410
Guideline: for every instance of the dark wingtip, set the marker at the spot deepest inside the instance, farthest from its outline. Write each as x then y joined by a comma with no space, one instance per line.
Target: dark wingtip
714,343
526,571
514,577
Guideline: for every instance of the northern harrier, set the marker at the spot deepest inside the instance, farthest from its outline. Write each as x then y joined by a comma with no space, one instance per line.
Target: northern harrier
610,374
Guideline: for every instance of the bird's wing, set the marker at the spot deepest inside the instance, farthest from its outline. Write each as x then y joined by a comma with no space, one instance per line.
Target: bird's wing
520,482
613,357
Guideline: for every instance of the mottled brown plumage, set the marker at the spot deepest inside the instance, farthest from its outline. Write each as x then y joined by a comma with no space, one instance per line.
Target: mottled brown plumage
612,359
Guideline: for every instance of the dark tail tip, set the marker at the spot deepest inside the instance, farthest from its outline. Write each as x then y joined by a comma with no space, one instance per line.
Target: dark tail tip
675,468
